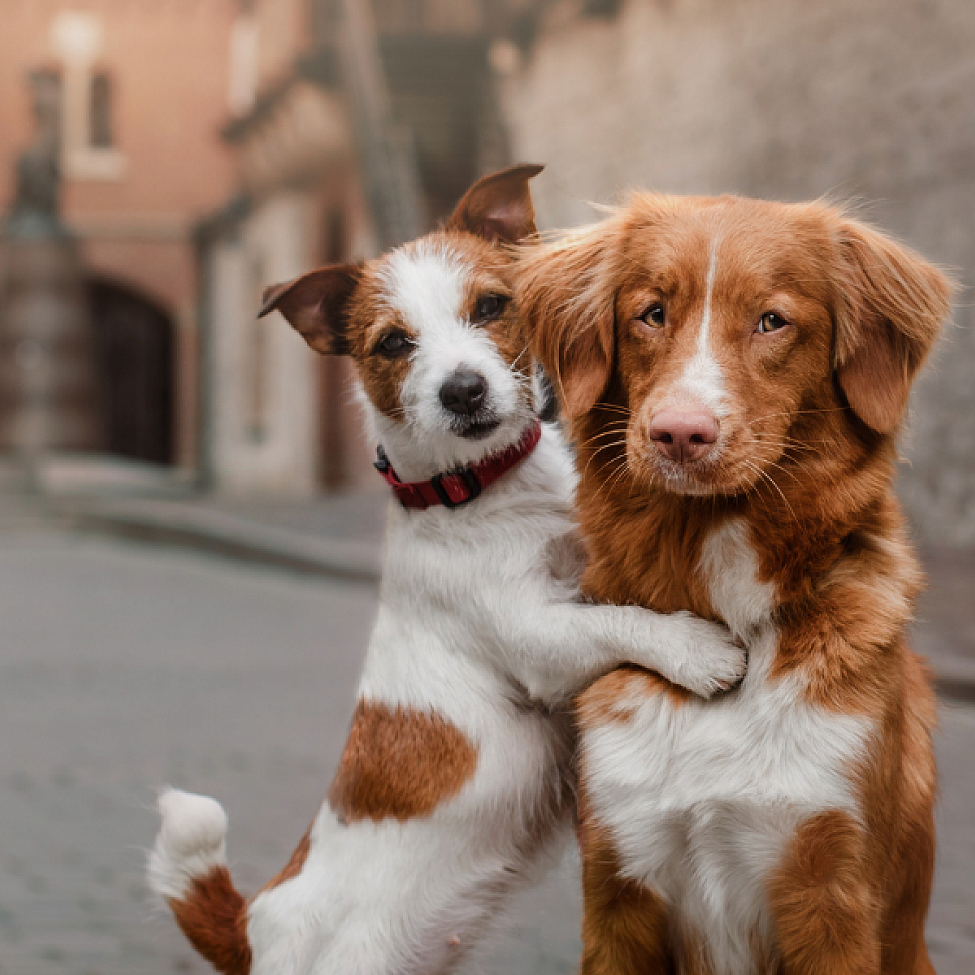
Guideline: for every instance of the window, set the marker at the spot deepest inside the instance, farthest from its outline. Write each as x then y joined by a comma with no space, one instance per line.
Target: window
100,112
88,133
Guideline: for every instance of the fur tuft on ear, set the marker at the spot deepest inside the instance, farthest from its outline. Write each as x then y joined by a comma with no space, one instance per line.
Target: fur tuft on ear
498,207
566,305
891,306
316,304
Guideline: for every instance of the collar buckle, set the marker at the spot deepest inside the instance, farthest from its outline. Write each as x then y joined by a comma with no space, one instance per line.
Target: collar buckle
467,477
381,463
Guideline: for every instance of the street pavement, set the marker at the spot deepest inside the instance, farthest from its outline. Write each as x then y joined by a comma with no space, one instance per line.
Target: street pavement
125,666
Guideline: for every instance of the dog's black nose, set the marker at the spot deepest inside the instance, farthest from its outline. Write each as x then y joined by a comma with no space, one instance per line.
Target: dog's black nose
463,392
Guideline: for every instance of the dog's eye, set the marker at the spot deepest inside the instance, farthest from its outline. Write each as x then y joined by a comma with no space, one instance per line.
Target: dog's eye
394,344
654,316
770,322
488,308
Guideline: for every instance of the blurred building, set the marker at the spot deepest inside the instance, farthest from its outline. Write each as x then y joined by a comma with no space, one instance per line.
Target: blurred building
144,86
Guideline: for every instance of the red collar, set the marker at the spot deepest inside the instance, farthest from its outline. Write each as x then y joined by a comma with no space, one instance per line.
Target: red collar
455,488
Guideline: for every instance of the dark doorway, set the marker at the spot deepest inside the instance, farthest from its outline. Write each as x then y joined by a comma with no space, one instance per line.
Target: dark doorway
135,344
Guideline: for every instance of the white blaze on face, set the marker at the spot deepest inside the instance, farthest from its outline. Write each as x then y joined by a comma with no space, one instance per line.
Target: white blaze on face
702,382
427,285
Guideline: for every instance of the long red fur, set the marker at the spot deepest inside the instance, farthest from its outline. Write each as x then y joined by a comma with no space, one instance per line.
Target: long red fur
822,516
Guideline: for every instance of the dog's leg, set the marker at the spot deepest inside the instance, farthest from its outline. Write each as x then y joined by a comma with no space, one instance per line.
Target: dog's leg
560,647
825,911
625,927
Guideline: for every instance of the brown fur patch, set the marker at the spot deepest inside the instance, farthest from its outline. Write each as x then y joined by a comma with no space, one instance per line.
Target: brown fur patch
823,907
213,916
616,697
399,764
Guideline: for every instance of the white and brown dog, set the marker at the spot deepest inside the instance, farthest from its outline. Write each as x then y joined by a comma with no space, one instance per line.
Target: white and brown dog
452,786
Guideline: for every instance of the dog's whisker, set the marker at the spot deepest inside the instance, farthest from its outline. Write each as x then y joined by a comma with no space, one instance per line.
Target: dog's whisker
619,443
613,408
766,476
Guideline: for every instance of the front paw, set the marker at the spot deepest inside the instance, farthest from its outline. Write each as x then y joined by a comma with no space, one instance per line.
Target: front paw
707,658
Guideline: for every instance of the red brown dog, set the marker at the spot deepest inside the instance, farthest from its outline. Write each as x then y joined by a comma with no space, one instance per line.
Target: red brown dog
735,372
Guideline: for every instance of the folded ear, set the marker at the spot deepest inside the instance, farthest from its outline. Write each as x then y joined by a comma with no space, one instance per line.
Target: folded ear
499,206
566,301
316,304
891,306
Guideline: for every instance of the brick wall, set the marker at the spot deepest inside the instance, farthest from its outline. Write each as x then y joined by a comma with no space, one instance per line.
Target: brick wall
872,100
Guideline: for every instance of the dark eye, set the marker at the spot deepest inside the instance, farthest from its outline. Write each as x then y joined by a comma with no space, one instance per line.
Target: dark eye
394,344
654,316
488,308
770,322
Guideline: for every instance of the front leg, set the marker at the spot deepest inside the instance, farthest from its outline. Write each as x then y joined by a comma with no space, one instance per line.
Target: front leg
824,909
557,648
626,929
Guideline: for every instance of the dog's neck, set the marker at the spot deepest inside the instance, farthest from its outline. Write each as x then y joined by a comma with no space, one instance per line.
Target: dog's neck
797,527
416,461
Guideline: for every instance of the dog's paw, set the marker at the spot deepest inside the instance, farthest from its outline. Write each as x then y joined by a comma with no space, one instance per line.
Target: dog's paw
707,660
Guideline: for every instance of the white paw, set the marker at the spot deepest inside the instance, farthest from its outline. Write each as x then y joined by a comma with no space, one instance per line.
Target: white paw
706,658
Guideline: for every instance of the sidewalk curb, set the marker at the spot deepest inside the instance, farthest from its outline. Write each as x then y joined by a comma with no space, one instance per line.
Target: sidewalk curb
172,523
954,678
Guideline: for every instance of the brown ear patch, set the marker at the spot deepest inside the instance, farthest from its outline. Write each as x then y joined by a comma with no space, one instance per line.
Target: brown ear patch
566,297
499,206
892,303
316,304
399,763
213,916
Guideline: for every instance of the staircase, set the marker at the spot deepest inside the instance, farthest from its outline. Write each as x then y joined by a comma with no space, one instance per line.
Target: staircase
386,149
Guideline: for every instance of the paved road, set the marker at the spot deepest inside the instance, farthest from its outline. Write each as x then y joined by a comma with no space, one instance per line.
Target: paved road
124,667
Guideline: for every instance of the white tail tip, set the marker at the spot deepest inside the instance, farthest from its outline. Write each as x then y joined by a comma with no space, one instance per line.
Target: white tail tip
191,842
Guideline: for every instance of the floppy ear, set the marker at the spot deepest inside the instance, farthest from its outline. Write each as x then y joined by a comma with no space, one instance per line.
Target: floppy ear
316,304
499,206
566,300
892,304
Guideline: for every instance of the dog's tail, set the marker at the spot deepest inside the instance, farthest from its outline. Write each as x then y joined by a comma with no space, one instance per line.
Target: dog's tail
188,867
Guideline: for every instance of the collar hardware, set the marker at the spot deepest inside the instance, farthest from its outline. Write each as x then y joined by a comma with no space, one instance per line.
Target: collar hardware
466,477
454,489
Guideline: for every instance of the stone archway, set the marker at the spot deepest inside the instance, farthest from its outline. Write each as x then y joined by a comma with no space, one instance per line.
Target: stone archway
135,346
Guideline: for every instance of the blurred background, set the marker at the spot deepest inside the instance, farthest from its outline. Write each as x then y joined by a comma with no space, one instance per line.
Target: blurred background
189,522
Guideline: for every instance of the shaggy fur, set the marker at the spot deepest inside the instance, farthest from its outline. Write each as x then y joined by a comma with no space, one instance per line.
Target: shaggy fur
453,787
786,827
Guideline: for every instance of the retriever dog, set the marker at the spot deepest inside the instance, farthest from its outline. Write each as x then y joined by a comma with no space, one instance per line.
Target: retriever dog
734,373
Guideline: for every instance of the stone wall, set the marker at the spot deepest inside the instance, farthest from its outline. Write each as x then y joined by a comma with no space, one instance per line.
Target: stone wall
864,100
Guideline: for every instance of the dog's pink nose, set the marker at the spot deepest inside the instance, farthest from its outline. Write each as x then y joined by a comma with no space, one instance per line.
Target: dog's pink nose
684,436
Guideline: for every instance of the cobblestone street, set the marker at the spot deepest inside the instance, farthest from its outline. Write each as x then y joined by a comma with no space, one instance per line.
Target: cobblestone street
123,667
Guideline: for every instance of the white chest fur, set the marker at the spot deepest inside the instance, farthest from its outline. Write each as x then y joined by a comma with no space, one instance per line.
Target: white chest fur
703,797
